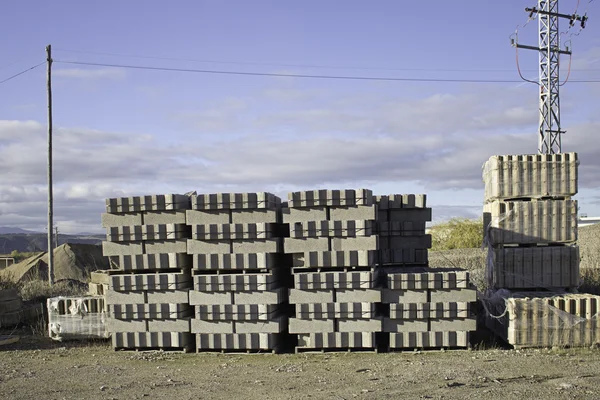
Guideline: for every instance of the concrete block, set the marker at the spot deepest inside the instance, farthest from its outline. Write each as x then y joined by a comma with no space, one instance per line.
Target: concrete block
114,220
319,198
354,213
257,246
449,295
335,310
399,201
292,245
537,221
410,215
211,298
151,262
235,201
122,249
273,326
155,281
136,248
428,278
390,296
444,325
237,312
536,267
402,325
234,283
293,215
150,311
209,247
297,325
355,243
412,311
250,231
147,203
336,340
255,216
334,280
151,340
359,325
97,289
169,325
401,228
276,296
236,261
147,232
200,326
424,340
408,242
163,217
240,341
348,258
167,296
113,297
198,217
166,246
100,277
530,176
118,325
357,295
298,296
73,317
405,257
338,229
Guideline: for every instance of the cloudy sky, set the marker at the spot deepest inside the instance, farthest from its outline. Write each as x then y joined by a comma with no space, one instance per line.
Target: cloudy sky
123,132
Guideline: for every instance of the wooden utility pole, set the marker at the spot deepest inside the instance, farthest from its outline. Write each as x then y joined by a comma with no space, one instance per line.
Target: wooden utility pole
56,237
50,197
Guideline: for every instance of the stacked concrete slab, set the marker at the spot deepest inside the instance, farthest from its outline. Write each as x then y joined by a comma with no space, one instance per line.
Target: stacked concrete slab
238,272
150,277
534,319
334,252
531,221
77,318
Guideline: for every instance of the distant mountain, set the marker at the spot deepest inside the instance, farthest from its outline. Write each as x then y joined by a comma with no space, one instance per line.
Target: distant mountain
26,242
8,229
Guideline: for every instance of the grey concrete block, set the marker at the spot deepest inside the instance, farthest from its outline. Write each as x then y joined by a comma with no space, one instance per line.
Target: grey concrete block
538,221
150,311
359,325
399,201
298,296
353,213
335,310
241,341
113,220
255,216
167,296
449,295
390,296
200,326
349,258
297,325
357,243
530,176
293,215
211,298
347,228
428,278
276,296
151,340
118,325
274,326
412,311
401,325
424,340
122,249
147,203
141,262
163,217
257,246
336,340
410,214
99,276
241,282
407,242
250,231
166,246
113,297
201,217
147,232
401,228
155,281
292,245
235,201
209,247
236,261
237,312
444,325
405,257
169,325
318,198
334,280
357,295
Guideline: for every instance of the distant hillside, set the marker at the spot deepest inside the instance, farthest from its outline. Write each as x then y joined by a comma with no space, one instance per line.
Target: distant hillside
26,242
9,229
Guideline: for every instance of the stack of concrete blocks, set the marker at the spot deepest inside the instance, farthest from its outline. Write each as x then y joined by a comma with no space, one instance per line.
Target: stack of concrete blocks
334,250
538,319
531,221
238,272
150,276
77,318
401,222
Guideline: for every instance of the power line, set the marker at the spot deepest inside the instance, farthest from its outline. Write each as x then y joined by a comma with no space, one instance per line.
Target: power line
338,77
22,72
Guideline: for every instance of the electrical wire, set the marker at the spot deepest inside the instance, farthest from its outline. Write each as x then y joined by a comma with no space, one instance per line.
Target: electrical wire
22,72
516,40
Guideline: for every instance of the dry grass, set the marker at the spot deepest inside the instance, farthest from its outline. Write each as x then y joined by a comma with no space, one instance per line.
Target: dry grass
38,290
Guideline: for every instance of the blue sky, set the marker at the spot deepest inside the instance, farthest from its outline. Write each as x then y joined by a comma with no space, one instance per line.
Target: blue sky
128,132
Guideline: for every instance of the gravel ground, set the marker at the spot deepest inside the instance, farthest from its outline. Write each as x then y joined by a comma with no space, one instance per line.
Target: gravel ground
36,368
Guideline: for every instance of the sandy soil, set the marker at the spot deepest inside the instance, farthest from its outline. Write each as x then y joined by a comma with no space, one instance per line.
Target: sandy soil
37,368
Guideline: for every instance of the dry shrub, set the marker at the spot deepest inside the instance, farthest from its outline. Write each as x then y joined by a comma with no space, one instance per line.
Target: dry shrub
590,280
472,260
458,233
39,290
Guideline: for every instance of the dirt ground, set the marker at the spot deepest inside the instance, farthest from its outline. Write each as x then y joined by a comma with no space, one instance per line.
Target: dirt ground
36,368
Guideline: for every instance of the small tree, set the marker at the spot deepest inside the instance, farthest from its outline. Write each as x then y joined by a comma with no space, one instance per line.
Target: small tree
458,233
